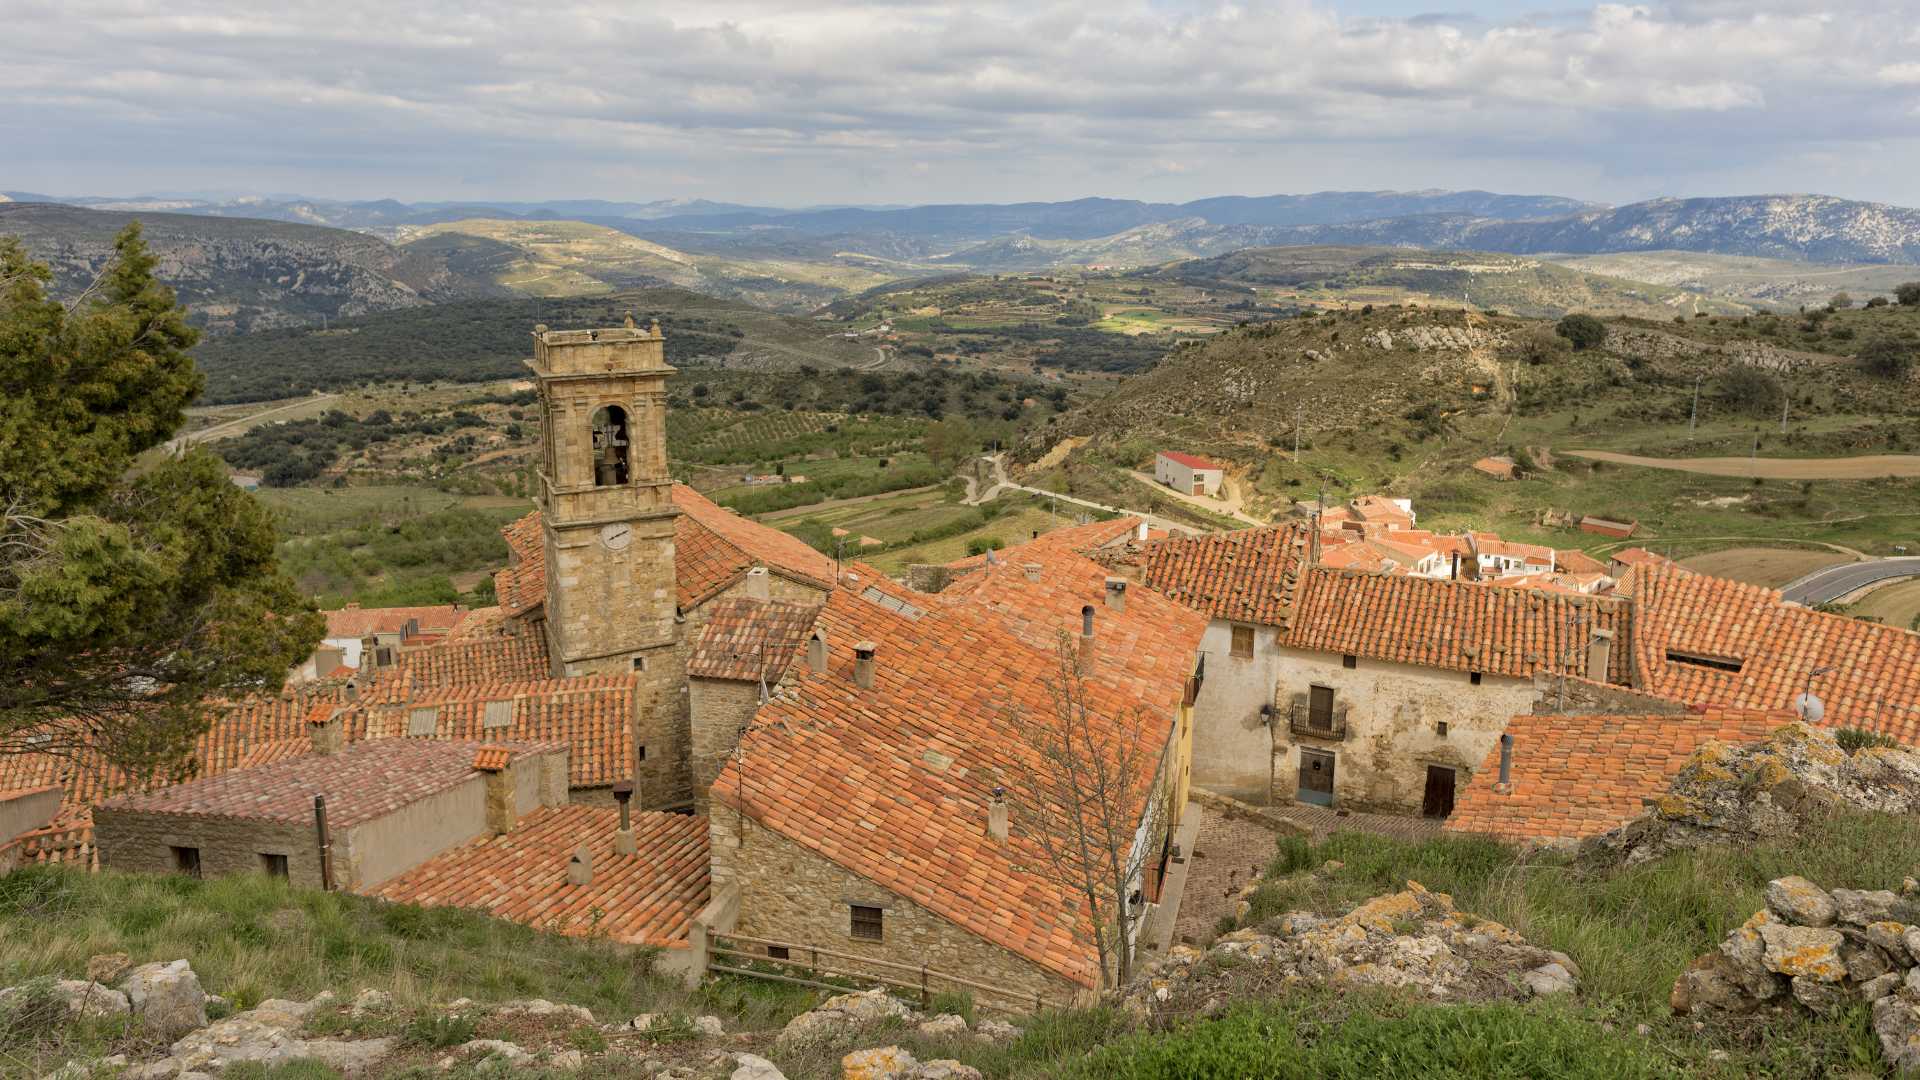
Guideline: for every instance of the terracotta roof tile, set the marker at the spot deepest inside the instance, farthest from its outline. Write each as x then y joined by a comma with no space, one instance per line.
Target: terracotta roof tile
1246,576
592,715
760,544
649,898
492,758
1578,776
750,640
358,622
1189,460
1460,625
1086,539
522,585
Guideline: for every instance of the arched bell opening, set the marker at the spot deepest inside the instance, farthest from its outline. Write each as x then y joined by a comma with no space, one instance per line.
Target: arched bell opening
612,447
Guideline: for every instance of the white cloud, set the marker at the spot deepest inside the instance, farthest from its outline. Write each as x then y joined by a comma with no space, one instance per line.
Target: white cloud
832,101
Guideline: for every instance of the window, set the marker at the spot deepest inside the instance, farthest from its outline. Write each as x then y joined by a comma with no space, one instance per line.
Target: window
642,752
1243,642
423,721
499,714
1717,663
1474,678
777,952
382,656
1349,661
187,860
866,922
639,663
274,865
1440,729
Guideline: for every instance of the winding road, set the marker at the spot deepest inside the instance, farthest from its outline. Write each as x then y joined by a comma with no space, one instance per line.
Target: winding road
1866,467
241,426
1829,584
1001,483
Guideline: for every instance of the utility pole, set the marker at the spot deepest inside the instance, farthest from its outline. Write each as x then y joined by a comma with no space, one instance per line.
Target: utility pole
1694,416
1755,458
1296,433
1786,399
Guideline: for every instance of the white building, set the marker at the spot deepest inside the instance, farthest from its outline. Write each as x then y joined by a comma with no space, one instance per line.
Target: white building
1187,474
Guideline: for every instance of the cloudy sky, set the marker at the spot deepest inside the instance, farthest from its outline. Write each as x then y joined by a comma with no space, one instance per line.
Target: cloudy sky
798,102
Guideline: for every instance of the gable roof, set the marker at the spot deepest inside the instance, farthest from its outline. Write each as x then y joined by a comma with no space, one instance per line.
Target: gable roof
354,621
1579,776
893,782
1688,627
649,898
591,714
361,782
521,585
1087,539
750,640
466,662
750,543
1189,460
1246,576
1461,625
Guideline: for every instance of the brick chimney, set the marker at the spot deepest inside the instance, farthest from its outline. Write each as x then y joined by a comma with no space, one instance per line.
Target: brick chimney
326,729
863,652
757,583
497,763
1032,570
580,867
817,652
997,816
1599,654
1117,593
623,842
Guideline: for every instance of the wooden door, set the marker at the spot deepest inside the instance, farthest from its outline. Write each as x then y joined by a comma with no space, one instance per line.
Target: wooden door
1320,708
1316,777
1439,799
1199,485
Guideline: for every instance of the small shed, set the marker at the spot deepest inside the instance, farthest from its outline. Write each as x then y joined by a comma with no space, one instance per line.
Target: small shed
1188,474
1500,467
1619,530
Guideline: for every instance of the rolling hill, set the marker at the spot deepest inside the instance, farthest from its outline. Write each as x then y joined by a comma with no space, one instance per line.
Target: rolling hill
237,274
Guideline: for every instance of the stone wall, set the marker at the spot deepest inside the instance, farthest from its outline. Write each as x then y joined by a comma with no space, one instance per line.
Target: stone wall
720,708
788,893
1583,697
144,843
1231,743
1394,712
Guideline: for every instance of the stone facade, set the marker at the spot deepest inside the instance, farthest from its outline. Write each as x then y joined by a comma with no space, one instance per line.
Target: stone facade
788,893
1395,715
1583,697
1232,744
721,707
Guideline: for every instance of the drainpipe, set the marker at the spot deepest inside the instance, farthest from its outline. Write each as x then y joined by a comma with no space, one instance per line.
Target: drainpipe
326,842
1505,786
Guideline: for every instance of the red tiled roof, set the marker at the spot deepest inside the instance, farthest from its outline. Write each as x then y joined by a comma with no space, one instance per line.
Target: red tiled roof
704,563
893,782
267,753
592,715
750,639
1638,556
786,555
649,898
1189,460
1574,561
1678,615
1246,576
1461,625
361,782
1086,539
357,622
479,623
492,758
463,662
521,585
1578,776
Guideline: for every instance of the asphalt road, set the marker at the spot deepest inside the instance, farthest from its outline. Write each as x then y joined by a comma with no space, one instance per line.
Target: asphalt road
1833,582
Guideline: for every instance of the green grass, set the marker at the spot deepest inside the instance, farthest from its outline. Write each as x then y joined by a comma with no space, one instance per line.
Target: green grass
388,545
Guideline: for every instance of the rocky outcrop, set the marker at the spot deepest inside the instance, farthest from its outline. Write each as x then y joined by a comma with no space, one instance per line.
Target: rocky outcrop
895,1063
1750,793
166,998
77,997
1824,950
1414,940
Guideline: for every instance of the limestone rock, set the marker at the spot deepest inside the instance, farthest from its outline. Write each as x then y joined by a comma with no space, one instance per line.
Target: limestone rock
494,1053
1912,940
1549,979
754,1067
945,1069
709,1026
370,1002
1712,982
944,1024
1864,960
568,1060
996,1031
1821,996
1798,951
1890,937
838,1014
879,1063
541,1007
167,998
108,968
1858,908
1801,902
1875,989
80,997
1897,1022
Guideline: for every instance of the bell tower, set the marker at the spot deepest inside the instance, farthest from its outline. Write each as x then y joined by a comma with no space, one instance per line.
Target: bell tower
607,500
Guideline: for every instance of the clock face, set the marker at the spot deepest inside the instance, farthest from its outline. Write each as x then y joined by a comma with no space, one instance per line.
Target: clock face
616,537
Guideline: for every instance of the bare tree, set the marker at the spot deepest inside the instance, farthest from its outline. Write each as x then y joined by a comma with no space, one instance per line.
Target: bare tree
1087,794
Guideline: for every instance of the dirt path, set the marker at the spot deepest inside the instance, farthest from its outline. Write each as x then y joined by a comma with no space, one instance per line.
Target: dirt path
1869,467
246,423
829,504
1229,506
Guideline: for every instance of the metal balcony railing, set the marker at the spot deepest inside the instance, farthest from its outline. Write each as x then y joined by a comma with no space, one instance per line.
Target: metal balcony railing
1318,723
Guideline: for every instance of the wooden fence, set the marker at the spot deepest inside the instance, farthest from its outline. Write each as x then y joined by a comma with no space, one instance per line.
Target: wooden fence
918,980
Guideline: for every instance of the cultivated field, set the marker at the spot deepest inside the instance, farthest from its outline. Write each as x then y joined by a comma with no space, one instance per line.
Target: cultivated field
1771,567
1865,467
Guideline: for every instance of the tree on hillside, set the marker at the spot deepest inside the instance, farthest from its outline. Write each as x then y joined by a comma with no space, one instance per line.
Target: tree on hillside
1840,302
1085,795
127,597
1750,390
1908,293
1584,331
1888,358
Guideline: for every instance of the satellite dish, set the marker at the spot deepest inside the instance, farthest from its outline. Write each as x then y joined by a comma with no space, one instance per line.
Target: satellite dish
1810,708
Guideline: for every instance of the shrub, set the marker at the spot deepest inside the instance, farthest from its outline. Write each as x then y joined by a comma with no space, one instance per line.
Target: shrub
1908,293
1749,389
1840,302
439,1032
1887,358
1876,301
1853,739
1584,331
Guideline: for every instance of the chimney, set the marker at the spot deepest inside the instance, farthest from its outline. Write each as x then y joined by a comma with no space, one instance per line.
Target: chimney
352,689
1599,653
1085,659
496,763
817,652
1117,593
757,583
997,816
863,663
623,842
327,660
1032,571
580,867
326,730
1140,532
1505,785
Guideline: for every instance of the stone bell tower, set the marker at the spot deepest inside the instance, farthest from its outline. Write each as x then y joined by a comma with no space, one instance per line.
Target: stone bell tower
607,501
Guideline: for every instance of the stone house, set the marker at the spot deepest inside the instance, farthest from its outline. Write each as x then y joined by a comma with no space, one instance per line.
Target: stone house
867,808
388,806
741,657
1188,474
